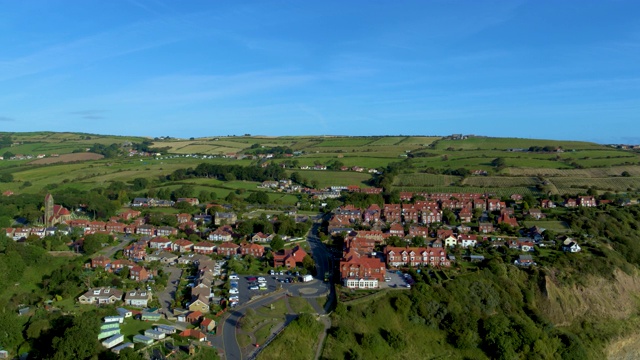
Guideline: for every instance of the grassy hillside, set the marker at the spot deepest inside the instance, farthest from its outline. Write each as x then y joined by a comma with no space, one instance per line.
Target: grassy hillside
431,164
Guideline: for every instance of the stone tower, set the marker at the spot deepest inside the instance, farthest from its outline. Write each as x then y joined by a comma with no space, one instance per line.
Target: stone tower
48,210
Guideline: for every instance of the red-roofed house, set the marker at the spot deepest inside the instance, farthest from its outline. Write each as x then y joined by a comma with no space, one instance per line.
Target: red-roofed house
100,262
183,218
194,317
414,256
223,233
493,204
418,231
138,273
115,227
396,230
194,334
362,272
505,218
129,214
261,238
392,213
160,243
254,250
135,251
182,245
204,248
227,249
587,201
207,325
289,257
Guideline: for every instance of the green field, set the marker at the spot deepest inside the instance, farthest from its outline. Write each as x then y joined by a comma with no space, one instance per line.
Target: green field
557,226
328,178
485,143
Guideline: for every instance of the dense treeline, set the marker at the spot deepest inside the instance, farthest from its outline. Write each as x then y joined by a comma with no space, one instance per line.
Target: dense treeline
230,172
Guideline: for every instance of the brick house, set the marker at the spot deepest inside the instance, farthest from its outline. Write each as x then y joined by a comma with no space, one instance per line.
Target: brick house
129,214
166,231
392,213
289,257
396,230
138,273
135,252
148,230
183,218
362,272
416,256
115,227
485,228
100,262
254,250
227,249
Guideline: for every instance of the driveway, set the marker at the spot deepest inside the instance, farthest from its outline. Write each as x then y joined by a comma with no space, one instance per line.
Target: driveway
166,296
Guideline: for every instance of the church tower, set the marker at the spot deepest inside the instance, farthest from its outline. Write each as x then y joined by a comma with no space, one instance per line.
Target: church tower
48,210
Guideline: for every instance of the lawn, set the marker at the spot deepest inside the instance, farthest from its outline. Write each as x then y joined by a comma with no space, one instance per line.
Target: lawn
300,305
131,327
298,340
556,226
329,178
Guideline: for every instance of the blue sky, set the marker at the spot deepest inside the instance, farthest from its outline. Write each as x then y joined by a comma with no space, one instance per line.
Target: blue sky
533,69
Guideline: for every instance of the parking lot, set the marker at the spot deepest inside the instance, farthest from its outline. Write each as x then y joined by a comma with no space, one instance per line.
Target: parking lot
273,283
397,280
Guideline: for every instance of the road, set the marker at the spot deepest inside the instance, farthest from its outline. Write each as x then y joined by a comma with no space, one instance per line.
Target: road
320,254
232,349
111,251
166,296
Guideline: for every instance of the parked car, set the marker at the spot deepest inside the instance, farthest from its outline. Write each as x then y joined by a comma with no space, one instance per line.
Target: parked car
261,279
271,272
234,298
253,287
234,291
234,277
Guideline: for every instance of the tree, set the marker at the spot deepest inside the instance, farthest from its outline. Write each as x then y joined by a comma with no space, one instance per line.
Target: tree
6,178
499,163
140,184
258,197
8,155
276,243
309,264
93,243
418,241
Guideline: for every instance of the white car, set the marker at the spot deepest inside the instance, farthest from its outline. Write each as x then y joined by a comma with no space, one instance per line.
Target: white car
234,291
261,279
234,277
253,288
234,298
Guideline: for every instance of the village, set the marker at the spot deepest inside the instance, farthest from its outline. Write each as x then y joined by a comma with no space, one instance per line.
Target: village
177,285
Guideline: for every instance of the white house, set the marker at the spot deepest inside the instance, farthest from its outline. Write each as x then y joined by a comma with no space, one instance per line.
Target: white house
571,246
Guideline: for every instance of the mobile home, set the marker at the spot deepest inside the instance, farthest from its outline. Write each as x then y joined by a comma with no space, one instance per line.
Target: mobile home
108,333
113,341
154,334
142,339
122,347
